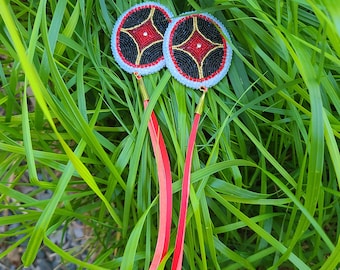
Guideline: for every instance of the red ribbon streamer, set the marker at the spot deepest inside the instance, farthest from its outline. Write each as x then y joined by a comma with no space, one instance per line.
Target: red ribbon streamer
165,190
179,246
164,180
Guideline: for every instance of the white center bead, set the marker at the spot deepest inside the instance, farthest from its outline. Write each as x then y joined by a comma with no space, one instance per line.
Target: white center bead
145,34
199,45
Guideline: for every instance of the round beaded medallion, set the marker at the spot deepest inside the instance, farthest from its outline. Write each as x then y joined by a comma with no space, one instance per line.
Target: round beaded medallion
137,38
196,50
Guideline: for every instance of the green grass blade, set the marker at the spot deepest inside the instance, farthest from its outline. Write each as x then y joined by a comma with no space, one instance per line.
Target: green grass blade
333,260
128,259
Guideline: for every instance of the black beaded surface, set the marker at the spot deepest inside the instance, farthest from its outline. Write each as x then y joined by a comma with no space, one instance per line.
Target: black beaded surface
209,30
136,18
187,64
160,21
128,47
151,54
210,66
183,32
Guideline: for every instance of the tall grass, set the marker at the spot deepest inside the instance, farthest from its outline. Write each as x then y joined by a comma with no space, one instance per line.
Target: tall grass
266,168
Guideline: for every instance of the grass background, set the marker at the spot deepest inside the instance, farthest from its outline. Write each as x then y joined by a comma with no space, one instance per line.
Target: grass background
266,168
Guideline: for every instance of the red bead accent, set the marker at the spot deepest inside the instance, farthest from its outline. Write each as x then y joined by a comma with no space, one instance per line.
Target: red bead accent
142,40
198,46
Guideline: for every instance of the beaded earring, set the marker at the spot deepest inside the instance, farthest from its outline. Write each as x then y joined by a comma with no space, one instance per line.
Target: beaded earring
197,53
136,44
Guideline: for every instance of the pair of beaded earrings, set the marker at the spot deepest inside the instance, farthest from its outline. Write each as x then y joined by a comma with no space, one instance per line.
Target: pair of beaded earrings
195,48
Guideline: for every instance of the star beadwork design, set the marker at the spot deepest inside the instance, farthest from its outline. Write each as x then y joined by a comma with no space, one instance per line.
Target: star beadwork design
145,34
198,47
